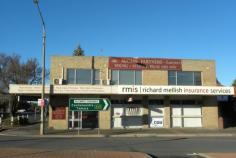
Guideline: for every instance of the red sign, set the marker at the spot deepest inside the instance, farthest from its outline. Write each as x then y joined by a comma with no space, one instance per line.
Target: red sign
144,64
59,113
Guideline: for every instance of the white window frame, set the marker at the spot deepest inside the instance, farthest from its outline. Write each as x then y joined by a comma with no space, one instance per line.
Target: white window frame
182,116
193,74
92,76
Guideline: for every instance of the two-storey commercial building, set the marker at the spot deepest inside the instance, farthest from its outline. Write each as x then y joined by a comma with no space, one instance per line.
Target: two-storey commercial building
144,92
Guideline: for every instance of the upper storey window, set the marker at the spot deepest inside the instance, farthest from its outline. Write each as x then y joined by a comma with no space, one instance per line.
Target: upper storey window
184,78
83,76
126,77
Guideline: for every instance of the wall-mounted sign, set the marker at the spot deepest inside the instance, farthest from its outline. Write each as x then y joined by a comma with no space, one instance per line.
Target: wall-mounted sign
78,89
59,89
27,89
125,89
88,104
144,64
157,122
176,90
59,113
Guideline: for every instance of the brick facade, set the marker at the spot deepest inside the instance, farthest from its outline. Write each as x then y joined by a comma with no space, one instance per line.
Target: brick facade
60,64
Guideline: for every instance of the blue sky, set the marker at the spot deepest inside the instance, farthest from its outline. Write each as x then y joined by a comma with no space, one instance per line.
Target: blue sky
198,29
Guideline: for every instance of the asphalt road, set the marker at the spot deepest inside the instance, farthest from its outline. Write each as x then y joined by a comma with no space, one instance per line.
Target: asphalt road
160,147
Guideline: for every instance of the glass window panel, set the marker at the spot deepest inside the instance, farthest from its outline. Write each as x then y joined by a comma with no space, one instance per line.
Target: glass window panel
126,77
176,111
96,76
197,78
184,78
192,122
172,80
76,124
97,82
175,102
138,77
70,124
156,110
76,115
70,114
172,77
155,102
114,77
172,73
188,102
176,122
83,76
192,111
71,76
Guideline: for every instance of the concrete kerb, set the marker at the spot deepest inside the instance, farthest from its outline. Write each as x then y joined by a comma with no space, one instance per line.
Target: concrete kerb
126,135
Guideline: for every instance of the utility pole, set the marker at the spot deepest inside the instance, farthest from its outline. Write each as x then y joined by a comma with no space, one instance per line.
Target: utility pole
43,68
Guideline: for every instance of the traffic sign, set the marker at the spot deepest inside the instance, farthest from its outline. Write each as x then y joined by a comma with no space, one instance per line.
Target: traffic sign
89,104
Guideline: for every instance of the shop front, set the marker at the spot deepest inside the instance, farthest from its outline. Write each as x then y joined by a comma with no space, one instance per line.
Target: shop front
133,109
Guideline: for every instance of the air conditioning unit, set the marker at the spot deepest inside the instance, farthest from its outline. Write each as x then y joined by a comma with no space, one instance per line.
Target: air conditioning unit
58,81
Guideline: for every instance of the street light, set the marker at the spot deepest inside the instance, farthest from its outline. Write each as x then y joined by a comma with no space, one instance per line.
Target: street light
36,2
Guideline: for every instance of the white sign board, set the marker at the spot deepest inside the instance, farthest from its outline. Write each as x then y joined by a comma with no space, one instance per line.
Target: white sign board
157,122
176,90
123,89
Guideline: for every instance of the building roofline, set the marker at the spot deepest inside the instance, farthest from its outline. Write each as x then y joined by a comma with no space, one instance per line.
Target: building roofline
209,60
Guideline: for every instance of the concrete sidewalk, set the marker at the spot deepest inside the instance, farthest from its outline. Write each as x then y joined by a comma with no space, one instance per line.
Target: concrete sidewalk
33,131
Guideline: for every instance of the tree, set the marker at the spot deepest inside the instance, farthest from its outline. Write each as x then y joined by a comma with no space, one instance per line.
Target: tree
78,51
13,71
234,83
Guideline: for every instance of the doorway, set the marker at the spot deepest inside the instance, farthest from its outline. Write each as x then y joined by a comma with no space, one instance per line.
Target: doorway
83,120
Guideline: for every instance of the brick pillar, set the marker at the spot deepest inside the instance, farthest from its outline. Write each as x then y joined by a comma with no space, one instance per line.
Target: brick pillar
167,112
210,112
105,119
145,112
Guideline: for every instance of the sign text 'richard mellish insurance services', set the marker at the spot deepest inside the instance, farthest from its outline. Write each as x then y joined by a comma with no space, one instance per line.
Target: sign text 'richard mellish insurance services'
176,90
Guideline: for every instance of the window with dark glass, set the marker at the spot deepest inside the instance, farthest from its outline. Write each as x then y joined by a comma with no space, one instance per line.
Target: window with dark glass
184,78
96,76
83,76
138,77
114,77
172,77
126,77
197,78
71,76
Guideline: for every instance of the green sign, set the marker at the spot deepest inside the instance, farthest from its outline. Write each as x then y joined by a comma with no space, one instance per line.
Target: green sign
88,104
